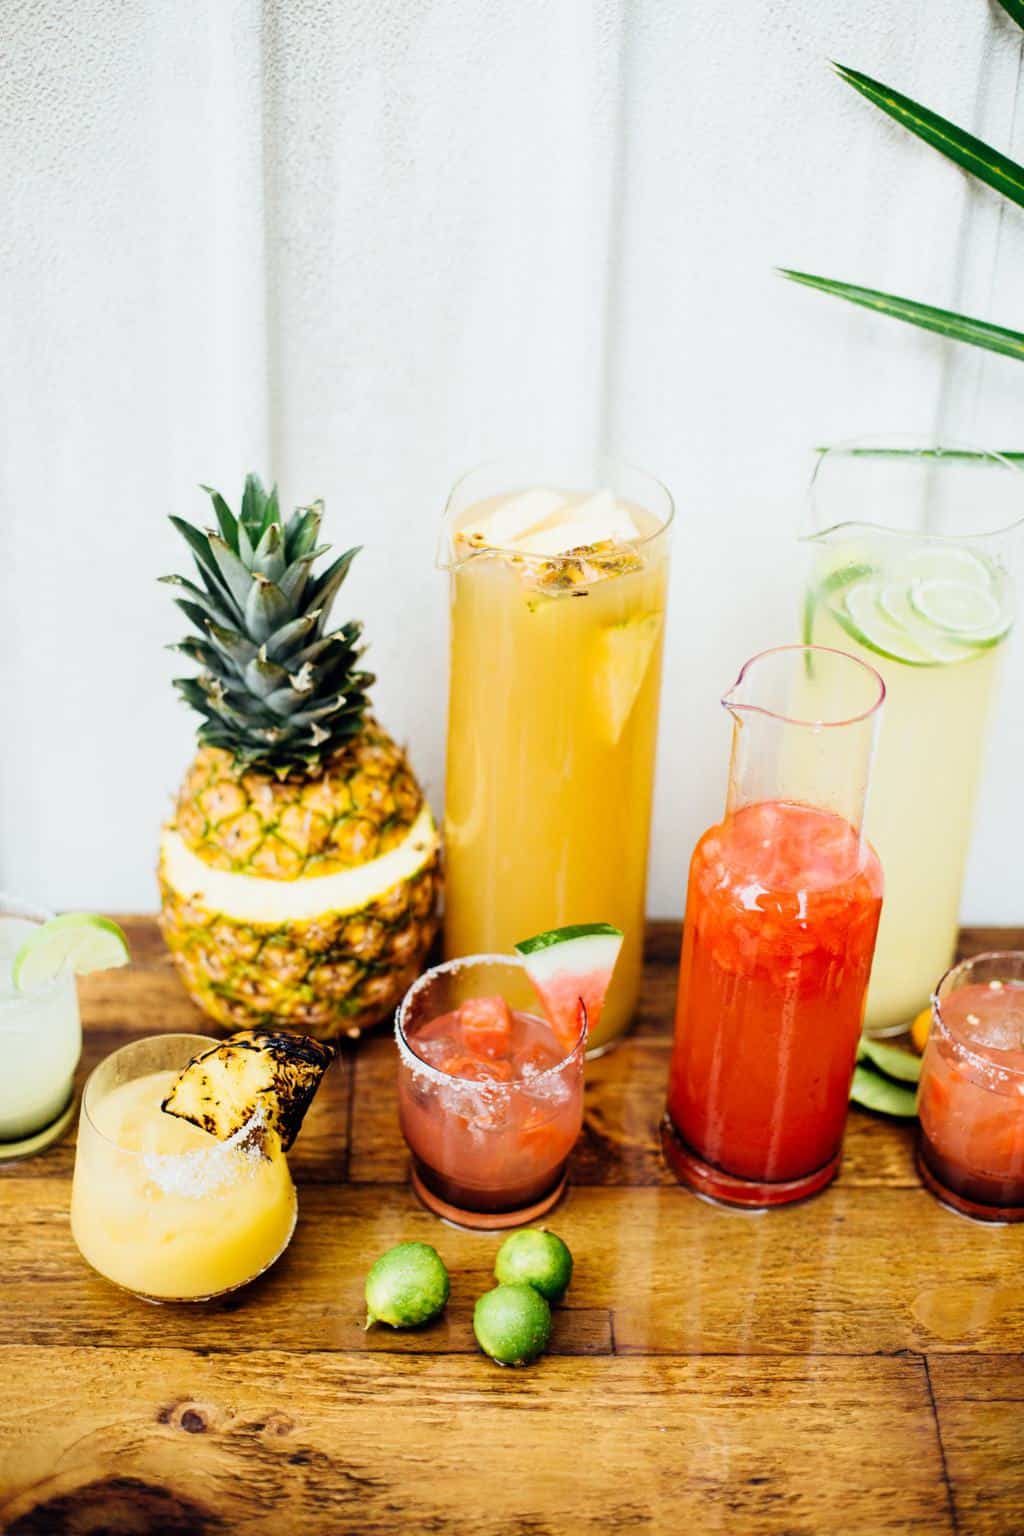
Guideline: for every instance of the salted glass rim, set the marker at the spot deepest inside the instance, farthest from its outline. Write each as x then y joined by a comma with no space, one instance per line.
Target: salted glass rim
413,1060
983,1057
510,461
891,444
253,1122
27,912
738,706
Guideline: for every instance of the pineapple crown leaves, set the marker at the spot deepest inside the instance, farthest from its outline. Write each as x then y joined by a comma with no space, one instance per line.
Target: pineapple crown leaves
276,688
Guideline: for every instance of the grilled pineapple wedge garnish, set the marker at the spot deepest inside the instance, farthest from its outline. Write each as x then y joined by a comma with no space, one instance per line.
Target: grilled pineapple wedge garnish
257,1072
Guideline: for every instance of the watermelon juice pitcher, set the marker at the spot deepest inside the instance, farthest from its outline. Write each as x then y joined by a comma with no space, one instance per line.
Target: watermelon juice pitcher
781,917
558,579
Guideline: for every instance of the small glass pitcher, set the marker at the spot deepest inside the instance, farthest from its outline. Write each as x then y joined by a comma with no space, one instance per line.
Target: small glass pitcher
781,916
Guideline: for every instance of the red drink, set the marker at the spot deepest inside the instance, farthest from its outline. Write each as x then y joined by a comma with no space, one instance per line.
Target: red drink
781,916
971,1098
490,1101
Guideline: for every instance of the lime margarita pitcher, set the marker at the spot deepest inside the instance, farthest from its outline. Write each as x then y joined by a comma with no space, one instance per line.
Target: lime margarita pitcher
911,572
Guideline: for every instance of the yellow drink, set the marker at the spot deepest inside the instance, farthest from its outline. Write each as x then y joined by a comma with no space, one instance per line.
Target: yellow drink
159,1206
931,618
553,709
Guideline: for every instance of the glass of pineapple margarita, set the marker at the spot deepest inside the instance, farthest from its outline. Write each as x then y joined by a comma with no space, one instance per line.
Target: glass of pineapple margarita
559,577
159,1206
40,1043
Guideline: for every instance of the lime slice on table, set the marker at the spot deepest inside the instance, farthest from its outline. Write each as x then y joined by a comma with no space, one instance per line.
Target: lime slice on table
77,941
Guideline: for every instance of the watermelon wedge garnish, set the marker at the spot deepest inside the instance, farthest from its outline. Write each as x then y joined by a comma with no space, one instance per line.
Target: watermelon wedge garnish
572,968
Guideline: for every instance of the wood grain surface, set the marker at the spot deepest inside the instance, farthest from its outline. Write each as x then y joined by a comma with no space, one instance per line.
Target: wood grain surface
851,1364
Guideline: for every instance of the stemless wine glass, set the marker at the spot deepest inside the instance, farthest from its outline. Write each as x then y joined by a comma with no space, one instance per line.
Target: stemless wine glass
971,1095
40,1044
160,1207
490,1101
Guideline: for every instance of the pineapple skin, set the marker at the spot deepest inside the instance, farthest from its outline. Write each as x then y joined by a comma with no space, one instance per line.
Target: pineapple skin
338,973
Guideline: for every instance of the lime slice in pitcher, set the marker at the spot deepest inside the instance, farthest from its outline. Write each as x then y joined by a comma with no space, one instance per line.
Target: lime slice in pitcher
870,620
77,941
973,614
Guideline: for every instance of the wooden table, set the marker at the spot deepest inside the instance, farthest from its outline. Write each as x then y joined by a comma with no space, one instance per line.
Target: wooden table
849,1364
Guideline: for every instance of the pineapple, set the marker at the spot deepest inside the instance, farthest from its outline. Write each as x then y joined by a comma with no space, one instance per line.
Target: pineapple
255,1072
299,877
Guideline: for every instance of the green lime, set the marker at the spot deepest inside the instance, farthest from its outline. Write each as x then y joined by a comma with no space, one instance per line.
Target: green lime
871,622
902,1065
873,1091
407,1286
973,614
538,1258
77,941
949,562
512,1324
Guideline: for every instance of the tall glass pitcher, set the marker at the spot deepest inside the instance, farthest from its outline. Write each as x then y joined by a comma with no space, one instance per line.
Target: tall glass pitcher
781,915
558,589
911,572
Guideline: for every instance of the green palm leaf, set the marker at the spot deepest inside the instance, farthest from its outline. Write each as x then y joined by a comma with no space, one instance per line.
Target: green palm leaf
1014,8
974,155
978,333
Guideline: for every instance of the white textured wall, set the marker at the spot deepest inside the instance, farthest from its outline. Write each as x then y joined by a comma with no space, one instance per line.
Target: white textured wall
364,245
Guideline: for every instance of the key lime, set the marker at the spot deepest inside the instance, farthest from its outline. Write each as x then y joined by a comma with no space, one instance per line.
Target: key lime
76,941
538,1258
407,1286
512,1324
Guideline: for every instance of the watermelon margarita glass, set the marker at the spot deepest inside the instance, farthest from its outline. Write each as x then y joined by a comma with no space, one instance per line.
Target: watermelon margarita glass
971,1096
489,1100
490,1078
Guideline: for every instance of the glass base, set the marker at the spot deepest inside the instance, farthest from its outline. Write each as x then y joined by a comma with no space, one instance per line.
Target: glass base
484,1221
607,1045
727,1188
28,1146
888,1031
998,1215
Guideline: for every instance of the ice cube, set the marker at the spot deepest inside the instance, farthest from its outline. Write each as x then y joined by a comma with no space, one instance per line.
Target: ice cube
515,517
436,1052
1000,1032
595,521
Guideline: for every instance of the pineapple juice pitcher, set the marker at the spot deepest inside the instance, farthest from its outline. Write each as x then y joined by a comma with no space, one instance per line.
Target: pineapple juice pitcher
557,616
